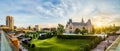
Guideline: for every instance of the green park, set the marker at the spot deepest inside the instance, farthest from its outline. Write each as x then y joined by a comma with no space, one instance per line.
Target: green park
56,41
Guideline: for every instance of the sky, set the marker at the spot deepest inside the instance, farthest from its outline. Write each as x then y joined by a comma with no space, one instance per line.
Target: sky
49,13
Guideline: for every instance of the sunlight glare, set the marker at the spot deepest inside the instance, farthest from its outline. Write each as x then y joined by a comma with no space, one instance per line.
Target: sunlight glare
99,24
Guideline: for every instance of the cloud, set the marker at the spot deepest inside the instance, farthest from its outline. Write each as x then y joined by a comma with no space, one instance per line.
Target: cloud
30,12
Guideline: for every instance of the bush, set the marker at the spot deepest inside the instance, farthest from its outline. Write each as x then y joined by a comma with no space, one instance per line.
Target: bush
88,47
25,42
29,39
81,49
92,44
94,40
33,45
29,44
76,37
48,35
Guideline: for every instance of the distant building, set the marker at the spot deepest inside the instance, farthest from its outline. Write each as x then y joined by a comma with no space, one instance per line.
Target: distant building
53,29
37,27
46,29
49,29
4,27
10,22
22,30
30,27
71,26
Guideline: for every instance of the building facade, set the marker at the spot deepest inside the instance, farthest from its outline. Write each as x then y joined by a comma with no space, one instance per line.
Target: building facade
37,27
31,27
71,26
10,22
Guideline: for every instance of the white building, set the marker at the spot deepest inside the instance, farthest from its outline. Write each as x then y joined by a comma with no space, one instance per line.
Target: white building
71,26
37,27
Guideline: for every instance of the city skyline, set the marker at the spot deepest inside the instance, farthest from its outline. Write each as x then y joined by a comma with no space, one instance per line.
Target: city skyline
52,12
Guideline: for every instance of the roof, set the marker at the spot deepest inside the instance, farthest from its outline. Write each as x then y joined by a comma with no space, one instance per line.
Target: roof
78,23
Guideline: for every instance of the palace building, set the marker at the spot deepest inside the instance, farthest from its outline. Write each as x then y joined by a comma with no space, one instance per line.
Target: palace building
71,26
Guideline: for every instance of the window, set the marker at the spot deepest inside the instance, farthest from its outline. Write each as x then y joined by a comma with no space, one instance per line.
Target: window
70,27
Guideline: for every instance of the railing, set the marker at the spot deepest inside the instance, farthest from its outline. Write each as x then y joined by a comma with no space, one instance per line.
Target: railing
6,44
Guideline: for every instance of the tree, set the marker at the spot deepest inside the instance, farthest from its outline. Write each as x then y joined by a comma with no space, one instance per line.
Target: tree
84,30
77,30
54,32
33,45
29,44
15,27
53,29
60,29
93,29
29,27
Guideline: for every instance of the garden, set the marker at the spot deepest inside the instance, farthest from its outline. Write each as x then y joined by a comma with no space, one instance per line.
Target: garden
63,43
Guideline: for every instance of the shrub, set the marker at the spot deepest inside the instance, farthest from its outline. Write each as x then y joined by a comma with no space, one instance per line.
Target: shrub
88,47
76,37
48,35
81,49
92,44
33,45
94,40
29,44
25,42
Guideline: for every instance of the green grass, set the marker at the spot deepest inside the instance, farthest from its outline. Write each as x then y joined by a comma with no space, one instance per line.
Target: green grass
55,44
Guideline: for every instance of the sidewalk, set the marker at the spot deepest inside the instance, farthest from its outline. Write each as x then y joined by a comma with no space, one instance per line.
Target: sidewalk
104,44
115,46
22,47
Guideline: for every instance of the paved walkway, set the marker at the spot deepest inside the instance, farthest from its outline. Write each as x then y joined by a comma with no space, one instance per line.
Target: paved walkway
115,46
104,44
22,47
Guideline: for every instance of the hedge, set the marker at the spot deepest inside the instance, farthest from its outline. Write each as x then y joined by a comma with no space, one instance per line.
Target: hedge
95,40
76,37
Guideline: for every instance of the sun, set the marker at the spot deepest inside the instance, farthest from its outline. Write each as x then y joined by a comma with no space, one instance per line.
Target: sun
99,24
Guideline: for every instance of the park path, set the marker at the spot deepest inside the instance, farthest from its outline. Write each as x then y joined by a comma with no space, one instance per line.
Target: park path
22,47
104,44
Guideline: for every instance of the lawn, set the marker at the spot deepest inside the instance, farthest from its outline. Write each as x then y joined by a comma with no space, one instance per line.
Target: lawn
56,44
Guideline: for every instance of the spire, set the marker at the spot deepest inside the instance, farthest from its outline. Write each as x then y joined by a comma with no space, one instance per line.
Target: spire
89,22
82,20
70,20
